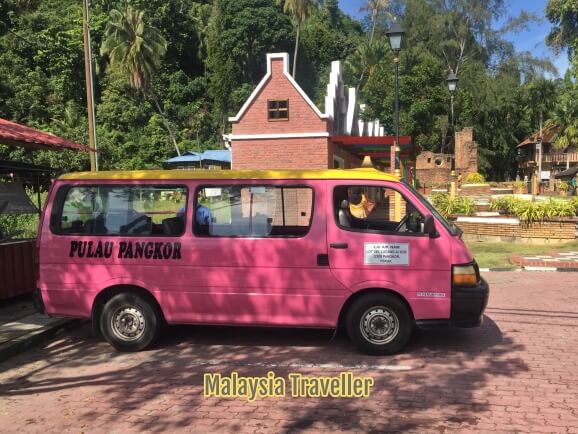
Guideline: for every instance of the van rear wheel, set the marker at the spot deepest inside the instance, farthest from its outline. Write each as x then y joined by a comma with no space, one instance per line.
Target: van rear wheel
379,324
129,322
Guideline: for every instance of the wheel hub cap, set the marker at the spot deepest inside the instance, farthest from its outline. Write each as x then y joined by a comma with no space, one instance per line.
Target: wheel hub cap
128,323
379,325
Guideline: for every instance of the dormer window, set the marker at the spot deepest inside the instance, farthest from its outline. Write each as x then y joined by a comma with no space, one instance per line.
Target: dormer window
278,110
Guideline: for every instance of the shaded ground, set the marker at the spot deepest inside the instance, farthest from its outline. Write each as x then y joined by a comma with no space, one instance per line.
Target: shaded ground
515,373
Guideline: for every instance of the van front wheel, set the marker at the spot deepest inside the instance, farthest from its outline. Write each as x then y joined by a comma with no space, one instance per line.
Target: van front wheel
379,324
129,322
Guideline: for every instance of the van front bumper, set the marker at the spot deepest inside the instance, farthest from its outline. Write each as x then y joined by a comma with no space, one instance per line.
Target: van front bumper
468,304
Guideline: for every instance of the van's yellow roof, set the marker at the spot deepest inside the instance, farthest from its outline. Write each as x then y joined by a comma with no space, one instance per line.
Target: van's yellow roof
361,173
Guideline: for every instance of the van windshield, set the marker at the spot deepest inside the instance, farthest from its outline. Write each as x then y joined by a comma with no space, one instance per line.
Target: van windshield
452,229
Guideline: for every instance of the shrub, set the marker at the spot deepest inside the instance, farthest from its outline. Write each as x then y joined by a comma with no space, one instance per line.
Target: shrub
528,211
506,204
520,185
446,206
562,186
574,202
474,178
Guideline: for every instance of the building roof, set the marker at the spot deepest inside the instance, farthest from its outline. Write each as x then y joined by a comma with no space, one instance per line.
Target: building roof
18,167
549,134
362,173
222,155
14,134
285,58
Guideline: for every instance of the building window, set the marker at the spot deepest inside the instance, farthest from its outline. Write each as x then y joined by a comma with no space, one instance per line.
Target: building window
278,110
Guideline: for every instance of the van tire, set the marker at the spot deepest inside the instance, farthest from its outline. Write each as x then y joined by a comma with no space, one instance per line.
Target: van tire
379,324
129,322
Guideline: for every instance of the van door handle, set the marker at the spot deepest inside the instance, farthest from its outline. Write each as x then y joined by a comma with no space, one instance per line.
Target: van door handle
338,245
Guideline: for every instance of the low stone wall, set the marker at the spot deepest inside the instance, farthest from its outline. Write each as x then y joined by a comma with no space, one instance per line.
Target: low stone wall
475,190
512,230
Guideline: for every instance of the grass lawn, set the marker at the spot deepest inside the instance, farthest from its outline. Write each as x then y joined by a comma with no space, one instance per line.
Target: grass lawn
494,255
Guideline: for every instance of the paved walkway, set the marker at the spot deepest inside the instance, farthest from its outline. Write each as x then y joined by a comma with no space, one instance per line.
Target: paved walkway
555,260
516,373
21,326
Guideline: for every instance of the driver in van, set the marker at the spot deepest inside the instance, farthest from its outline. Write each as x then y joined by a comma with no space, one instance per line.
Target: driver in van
359,206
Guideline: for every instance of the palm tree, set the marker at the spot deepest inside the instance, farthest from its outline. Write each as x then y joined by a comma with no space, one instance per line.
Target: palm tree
365,59
374,7
300,10
565,117
137,49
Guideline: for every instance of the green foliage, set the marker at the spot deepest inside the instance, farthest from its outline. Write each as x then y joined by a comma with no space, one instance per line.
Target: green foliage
528,211
474,178
562,186
198,60
22,225
446,205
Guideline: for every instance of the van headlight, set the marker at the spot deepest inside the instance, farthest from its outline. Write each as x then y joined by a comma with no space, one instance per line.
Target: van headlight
465,274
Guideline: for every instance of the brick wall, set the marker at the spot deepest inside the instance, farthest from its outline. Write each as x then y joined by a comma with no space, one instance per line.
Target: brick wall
351,161
280,154
434,168
475,190
562,229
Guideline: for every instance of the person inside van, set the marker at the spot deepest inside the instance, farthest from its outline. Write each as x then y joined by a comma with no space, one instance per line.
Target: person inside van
359,206
203,215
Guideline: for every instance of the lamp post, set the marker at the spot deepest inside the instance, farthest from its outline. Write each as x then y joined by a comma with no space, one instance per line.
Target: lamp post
395,35
452,85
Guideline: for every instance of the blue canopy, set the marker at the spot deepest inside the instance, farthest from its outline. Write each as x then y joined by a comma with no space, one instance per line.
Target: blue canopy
222,155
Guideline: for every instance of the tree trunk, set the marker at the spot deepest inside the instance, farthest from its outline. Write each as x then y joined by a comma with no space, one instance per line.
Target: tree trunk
373,19
167,126
296,48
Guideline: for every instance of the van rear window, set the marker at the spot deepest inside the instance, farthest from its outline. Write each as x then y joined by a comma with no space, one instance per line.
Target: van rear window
120,210
253,210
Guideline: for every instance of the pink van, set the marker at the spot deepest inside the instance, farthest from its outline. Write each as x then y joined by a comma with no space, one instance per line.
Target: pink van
136,250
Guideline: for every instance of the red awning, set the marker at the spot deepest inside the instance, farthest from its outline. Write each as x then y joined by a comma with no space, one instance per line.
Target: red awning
370,140
14,134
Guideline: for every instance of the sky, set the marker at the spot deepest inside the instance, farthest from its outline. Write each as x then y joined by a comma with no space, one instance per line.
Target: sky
532,40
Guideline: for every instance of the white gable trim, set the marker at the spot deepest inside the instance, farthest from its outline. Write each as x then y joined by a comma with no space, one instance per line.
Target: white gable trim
270,57
277,136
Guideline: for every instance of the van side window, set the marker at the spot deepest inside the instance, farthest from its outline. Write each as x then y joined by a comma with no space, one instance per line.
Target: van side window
375,209
121,210
253,211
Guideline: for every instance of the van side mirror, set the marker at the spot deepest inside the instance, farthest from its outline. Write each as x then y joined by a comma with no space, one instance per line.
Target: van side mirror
429,227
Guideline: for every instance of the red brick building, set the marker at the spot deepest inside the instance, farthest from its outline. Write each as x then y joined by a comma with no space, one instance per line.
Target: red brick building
279,127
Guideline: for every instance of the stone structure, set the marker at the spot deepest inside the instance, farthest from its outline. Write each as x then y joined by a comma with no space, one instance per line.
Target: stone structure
434,168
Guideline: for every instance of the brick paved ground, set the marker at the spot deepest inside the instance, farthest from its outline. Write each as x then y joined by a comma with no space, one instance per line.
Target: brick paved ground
516,373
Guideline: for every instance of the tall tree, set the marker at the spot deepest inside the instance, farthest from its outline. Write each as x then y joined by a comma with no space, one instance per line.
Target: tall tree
137,48
300,10
375,8
565,117
563,14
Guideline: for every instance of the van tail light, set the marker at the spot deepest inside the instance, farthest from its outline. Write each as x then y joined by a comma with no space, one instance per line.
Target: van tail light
465,275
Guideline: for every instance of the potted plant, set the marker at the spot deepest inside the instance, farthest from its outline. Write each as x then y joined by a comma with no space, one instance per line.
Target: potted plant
520,187
562,187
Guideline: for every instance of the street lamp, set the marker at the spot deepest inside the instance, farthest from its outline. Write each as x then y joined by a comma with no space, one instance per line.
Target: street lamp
452,85
395,35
